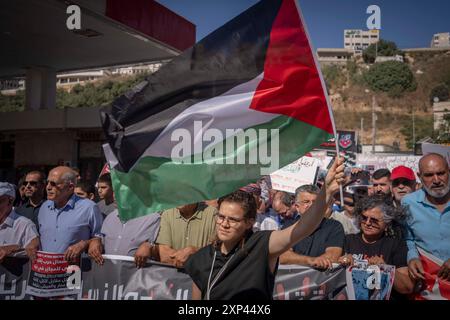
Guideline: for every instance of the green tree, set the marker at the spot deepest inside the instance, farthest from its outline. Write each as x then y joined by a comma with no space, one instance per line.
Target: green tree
382,48
440,91
334,77
391,76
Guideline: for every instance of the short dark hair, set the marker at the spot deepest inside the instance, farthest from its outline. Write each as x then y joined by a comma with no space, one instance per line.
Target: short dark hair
86,187
42,176
286,198
244,199
105,178
381,173
309,188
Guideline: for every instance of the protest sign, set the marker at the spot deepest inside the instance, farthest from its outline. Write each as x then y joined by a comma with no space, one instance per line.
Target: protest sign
49,276
298,173
369,282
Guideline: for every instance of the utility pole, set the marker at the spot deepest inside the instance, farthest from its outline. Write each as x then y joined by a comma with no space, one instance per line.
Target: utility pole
362,130
374,124
414,129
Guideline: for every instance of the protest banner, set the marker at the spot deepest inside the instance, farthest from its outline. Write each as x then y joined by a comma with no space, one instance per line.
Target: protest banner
119,279
437,148
13,278
49,276
294,282
298,173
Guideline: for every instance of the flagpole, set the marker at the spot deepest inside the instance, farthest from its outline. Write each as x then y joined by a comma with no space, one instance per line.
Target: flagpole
330,111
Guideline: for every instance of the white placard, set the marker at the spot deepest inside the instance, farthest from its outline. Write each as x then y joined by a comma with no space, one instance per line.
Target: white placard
298,173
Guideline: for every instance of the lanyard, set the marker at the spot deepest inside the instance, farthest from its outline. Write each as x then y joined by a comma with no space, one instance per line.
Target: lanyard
211,285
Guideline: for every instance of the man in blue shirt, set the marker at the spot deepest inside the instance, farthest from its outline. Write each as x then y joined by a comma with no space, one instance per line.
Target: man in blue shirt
322,247
66,221
428,224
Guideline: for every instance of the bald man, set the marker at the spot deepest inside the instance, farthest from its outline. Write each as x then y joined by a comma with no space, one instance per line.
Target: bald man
66,221
428,226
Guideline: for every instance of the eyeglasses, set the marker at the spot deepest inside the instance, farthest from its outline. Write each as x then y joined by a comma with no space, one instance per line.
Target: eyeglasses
31,183
367,220
404,182
220,218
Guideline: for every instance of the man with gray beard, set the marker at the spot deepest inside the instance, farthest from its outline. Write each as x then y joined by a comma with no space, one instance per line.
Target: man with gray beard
428,224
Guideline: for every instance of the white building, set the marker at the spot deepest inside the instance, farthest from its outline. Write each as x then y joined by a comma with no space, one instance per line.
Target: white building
397,57
441,40
334,55
359,40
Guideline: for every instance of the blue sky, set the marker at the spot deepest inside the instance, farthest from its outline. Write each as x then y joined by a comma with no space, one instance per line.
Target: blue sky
410,23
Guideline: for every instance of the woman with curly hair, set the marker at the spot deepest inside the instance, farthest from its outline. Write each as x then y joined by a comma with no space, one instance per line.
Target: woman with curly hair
380,241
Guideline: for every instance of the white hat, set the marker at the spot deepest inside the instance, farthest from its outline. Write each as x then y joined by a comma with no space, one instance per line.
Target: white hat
7,189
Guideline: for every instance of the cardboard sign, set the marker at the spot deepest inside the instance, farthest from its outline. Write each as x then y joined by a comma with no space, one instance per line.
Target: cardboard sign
298,173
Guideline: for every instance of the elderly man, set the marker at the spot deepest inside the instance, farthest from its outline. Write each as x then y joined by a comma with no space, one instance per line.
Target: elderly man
184,230
321,248
403,183
16,232
34,184
135,237
66,221
428,225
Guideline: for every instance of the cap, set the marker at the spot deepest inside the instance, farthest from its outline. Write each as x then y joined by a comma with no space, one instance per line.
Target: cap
402,172
252,188
7,189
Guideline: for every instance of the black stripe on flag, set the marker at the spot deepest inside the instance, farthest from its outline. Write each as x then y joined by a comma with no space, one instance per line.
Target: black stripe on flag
231,55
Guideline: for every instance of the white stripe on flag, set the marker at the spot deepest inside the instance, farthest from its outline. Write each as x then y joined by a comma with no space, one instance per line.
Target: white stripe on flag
227,111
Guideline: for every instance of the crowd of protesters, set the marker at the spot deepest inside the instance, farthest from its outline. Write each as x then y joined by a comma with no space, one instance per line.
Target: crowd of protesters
384,219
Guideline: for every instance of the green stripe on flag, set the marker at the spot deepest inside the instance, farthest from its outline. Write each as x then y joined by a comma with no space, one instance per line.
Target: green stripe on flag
156,184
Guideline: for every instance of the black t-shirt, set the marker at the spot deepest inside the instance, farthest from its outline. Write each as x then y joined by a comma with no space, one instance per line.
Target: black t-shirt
247,275
330,233
393,250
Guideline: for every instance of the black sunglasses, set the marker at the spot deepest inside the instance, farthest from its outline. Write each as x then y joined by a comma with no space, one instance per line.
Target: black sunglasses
31,183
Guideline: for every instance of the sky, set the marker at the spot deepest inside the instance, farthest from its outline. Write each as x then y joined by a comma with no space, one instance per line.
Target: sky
411,24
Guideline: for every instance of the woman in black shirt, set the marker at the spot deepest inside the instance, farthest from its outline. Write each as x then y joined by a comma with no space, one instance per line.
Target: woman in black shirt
378,243
241,264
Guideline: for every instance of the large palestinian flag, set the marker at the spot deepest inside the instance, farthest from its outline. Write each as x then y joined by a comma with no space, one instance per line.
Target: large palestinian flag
244,101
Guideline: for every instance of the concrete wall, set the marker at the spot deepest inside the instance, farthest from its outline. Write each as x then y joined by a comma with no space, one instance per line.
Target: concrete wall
45,148
50,119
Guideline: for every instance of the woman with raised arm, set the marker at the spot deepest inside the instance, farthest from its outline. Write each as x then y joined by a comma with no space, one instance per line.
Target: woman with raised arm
241,264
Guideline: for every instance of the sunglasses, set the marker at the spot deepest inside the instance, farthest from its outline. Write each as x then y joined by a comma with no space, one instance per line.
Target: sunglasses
367,220
31,183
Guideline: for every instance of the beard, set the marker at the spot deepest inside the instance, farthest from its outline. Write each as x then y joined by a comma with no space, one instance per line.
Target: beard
437,194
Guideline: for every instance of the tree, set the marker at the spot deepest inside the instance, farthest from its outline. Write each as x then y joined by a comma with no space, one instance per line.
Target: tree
423,128
391,76
441,92
383,48
334,77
